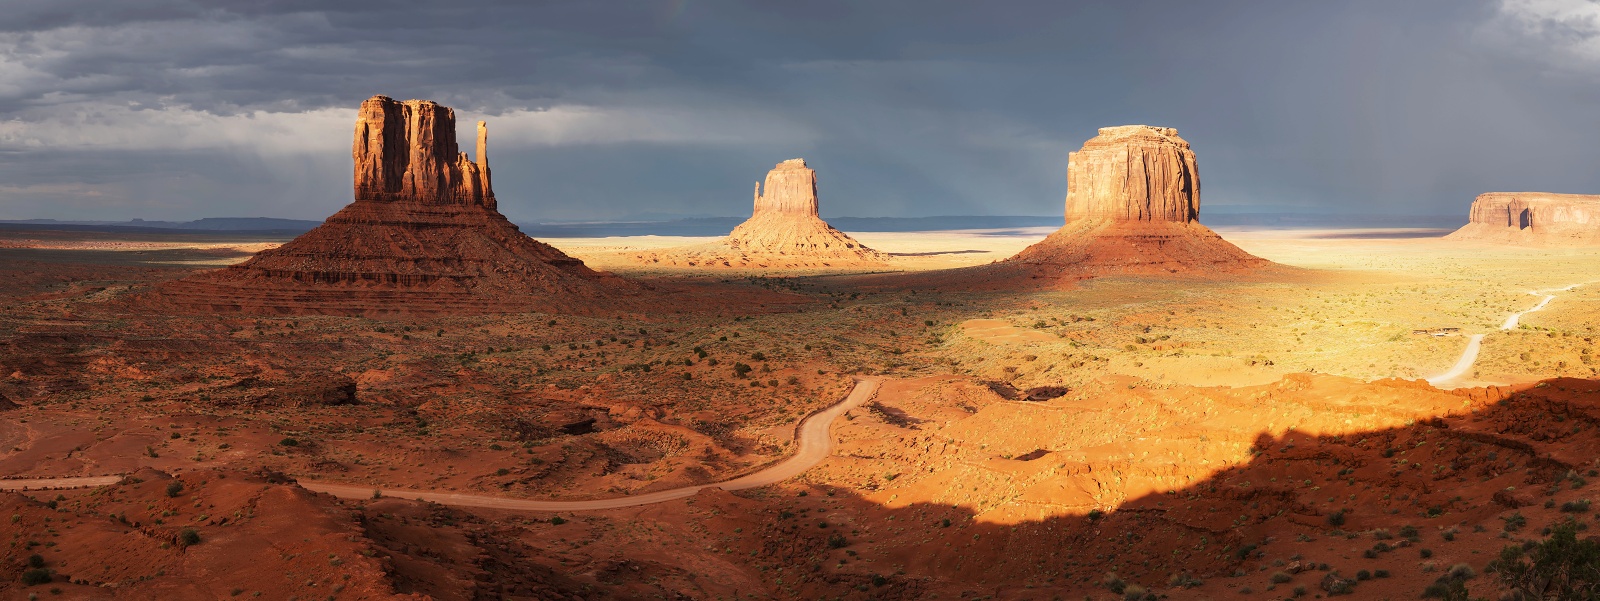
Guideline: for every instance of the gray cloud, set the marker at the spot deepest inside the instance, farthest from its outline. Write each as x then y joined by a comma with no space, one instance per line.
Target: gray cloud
180,109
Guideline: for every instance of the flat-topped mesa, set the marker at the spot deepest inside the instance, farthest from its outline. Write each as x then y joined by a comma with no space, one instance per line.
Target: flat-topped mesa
791,189
1133,173
406,152
1537,218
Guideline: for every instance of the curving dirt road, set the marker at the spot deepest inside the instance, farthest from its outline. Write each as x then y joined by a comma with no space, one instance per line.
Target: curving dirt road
1469,355
812,440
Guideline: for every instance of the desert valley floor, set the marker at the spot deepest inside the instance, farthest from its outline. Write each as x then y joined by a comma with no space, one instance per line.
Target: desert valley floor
1267,435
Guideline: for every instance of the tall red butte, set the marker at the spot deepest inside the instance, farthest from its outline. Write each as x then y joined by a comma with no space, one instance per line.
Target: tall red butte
423,236
1133,200
784,231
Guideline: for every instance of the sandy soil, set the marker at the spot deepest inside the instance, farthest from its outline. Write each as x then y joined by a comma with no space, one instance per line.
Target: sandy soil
1198,440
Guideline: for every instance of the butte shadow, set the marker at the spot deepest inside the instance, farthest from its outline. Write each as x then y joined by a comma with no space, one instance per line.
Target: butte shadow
1133,200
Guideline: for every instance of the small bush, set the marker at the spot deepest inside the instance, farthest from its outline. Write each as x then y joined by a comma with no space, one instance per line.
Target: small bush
1514,522
1380,573
1336,518
1281,577
557,521
1426,553
289,442
36,576
189,537
837,541
36,561
1579,506
174,488
1113,583
1363,575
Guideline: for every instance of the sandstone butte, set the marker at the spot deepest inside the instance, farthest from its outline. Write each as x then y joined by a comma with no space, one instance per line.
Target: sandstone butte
423,236
783,232
1534,219
1133,200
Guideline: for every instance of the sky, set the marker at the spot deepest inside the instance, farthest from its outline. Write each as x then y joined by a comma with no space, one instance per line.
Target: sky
620,110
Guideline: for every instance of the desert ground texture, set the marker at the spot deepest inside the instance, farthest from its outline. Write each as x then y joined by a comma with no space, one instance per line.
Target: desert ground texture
1205,436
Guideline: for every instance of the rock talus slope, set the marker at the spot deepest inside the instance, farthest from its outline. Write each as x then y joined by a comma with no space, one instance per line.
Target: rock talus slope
783,231
423,236
1533,218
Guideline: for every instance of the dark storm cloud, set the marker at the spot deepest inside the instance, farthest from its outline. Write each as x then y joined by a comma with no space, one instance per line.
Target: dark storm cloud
170,109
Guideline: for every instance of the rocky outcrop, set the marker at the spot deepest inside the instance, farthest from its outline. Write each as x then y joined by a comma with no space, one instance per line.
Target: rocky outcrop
783,232
406,152
423,236
1533,218
1133,200
1134,173
791,190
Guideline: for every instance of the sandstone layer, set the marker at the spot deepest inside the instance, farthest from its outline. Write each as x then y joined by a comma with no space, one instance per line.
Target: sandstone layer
1133,200
783,232
1533,218
1134,173
423,236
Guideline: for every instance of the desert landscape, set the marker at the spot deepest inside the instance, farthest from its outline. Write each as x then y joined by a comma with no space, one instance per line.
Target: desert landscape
411,397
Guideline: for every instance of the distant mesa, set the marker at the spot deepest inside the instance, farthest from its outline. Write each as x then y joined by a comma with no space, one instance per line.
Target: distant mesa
423,236
1533,219
1133,200
783,232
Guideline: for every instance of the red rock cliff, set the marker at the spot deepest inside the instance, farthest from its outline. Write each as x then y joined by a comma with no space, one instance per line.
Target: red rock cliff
1535,218
791,189
406,151
1134,173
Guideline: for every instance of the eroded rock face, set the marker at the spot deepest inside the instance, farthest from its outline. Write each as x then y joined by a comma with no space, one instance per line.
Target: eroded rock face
783,231
423,236
1134,173
406,151
1534,218
791,189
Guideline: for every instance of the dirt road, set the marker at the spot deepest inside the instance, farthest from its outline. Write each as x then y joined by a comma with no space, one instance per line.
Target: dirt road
1469,355
813,443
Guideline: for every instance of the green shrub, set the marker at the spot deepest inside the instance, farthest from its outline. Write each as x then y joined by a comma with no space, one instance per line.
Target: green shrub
36,561
174,488
1336,518
289,442
1514,522
189,537
36,576
1561,564
1113,583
